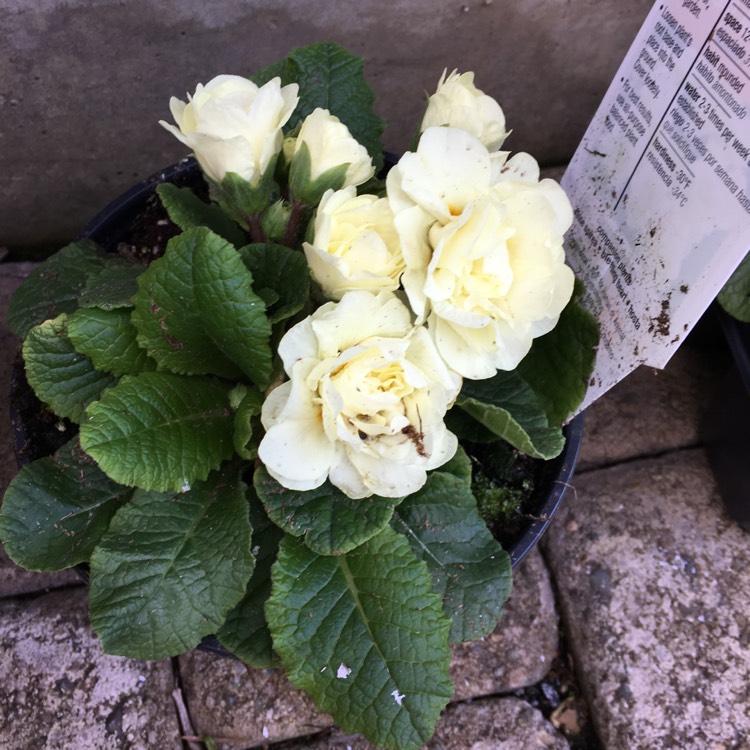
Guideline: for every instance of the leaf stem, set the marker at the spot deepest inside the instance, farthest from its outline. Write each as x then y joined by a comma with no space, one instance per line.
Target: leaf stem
293,225
255,230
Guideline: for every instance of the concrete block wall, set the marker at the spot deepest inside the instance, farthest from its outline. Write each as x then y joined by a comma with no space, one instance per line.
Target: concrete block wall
84,82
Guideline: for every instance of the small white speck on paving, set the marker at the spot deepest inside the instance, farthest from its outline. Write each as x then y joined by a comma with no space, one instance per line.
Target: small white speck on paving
701,618
265,731
398,697
343,671
542,657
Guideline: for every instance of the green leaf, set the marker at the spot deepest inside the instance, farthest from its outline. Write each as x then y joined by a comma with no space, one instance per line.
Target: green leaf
329,522
187,210
54,287
735,296
61,377
465,427
196,312
57,508
113,287
242,200
332,78
560,363
508,406
169,321
284,271
459,466
284,69
160,431
170,567
232,314
364,634
469,568
247,424
245,632
108,338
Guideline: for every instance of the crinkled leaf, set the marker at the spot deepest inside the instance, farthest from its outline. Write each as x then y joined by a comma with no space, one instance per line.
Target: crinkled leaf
233,315
61,377
332,78
459,466
196,312
57,508
167,316
508,406
114,286
282,270
108,338
245,632
247,424
160,431
364,634
187,210
170,567
560,363
329,522
469,568
465,427
54,287
735,296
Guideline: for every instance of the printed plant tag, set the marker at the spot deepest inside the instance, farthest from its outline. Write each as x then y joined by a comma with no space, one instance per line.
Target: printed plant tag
660,184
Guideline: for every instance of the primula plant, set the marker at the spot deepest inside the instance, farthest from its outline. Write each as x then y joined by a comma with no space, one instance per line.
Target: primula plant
267,417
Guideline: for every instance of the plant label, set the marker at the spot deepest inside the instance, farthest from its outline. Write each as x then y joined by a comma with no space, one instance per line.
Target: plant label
660,184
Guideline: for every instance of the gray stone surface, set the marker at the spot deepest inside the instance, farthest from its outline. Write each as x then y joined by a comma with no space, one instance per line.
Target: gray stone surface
501,724
653,411
521,650
244,707
15,580
59,692
228,700
84,84
654,583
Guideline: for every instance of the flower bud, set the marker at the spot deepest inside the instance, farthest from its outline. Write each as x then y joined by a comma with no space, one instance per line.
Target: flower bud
326,156
458,103
232,125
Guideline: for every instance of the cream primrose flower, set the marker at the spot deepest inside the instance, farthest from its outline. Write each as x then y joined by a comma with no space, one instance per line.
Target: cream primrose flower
458,103
329,145
355,245
232,125
365,402
483,246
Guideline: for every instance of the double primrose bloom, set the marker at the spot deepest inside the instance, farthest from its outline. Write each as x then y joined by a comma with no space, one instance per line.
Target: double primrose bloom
472,236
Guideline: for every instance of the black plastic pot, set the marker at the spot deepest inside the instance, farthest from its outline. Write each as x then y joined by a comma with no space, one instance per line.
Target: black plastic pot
726,430
36,437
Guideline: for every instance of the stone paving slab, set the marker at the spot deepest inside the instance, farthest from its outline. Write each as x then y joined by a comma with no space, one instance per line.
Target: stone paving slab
501,724
653,411
654,585
60,692
228,700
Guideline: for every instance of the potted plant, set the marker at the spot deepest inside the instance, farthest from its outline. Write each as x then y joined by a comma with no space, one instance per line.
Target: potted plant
283,426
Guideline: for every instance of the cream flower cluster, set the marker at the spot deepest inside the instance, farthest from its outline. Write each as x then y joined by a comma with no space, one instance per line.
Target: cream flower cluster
364,403
473,237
